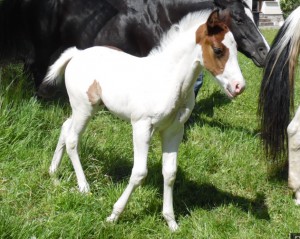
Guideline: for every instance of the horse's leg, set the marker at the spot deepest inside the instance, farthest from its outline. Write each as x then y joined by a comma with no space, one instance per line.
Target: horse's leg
60,148
79,119
141,138
171,139
294,155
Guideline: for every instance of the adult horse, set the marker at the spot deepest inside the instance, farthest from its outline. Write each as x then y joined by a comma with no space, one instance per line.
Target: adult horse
37,31
154,93
276,100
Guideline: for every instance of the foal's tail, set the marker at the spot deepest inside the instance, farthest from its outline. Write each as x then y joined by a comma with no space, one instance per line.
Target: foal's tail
56,72
277,90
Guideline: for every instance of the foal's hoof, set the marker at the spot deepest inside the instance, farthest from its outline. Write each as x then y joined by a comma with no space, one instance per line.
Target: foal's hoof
297,202
85,188
173,226
52,170
112,218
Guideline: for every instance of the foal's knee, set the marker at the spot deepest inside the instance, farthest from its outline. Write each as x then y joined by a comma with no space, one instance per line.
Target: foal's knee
138,176
71,144
169,175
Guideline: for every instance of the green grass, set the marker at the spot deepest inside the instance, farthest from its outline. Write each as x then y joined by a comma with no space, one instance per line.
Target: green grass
224,187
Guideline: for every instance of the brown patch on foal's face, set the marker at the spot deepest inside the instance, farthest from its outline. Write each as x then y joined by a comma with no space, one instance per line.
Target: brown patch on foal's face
94,93
215,53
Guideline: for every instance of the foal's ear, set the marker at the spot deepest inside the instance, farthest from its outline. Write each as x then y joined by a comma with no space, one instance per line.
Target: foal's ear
213,19
216,22
225,16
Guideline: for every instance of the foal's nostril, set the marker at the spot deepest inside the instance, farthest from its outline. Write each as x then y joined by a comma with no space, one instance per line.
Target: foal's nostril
238,89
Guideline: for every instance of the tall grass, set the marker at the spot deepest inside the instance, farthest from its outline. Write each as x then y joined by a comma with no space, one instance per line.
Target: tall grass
223,189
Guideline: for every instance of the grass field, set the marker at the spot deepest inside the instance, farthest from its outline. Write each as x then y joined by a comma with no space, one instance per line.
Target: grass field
224,186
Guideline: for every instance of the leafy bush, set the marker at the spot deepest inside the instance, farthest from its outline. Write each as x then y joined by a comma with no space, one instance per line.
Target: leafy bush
287,6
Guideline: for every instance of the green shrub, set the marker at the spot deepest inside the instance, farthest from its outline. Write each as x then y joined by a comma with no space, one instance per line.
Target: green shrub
287,6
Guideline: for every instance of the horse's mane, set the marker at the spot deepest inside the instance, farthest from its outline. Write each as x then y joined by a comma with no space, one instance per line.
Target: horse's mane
284,41
294,44
190,21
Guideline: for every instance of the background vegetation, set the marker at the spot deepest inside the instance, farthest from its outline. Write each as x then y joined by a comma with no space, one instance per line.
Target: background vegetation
224,186
287,6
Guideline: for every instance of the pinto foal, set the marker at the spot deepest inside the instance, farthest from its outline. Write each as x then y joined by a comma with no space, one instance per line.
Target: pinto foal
154,93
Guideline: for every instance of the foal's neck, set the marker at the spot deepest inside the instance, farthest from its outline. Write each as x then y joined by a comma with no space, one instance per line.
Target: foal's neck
179,57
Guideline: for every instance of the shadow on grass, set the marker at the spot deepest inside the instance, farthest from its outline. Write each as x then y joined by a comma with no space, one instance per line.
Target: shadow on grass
205,107
18,86
189,194
278,171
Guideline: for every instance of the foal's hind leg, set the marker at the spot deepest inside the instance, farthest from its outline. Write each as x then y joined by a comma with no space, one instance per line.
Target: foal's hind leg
141,139
294,155
79,121
171,139
60,148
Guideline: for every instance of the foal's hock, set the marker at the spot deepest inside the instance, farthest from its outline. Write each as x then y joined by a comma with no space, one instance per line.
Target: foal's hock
154,93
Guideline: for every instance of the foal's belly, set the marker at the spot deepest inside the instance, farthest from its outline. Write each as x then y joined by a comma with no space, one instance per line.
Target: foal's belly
160,114
133,108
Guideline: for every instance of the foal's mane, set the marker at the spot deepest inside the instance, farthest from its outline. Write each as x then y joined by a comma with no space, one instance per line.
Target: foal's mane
189,22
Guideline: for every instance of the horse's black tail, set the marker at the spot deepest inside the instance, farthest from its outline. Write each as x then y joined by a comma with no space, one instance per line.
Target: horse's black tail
277,89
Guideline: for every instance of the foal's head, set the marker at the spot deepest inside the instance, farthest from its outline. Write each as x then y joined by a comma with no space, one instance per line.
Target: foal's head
219,53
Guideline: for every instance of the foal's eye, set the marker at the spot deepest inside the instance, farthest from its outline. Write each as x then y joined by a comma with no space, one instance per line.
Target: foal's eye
218,51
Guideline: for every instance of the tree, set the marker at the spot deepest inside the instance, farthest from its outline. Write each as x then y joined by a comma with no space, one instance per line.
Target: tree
287,6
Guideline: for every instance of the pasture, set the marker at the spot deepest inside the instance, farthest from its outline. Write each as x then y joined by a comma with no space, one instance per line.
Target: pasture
224,186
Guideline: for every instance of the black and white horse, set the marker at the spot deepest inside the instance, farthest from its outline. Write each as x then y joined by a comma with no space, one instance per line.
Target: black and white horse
277,98
37,31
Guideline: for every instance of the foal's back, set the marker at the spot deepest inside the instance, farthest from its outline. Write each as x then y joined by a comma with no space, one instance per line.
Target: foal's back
128,84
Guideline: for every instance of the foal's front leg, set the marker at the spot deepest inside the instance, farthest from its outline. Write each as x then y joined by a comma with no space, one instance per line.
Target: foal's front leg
141,139
171,139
